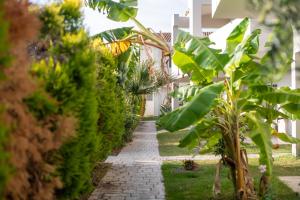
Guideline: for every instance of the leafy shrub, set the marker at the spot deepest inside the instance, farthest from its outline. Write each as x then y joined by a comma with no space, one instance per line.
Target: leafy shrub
133,109
111,101
69,70
41,105
29,142
4,167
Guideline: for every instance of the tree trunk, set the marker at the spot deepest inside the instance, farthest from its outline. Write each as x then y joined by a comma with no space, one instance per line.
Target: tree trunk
248,191
244,185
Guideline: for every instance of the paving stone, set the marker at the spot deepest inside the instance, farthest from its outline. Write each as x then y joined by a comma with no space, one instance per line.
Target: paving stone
292,181
136,172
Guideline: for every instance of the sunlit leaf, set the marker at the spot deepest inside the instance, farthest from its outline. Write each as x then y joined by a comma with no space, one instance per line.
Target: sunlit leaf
196,132
211,143
120,11
185,93
237,36
286,138
114,35
293,109
199,52
261,136
189,66
193,111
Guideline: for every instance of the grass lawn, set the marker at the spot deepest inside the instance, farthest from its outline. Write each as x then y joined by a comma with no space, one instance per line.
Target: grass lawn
168,145
197,185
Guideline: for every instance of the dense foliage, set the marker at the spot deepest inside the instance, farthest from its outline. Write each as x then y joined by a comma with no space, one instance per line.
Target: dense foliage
83,76
67,112
31,136
4,167
232,98
68,70
111,100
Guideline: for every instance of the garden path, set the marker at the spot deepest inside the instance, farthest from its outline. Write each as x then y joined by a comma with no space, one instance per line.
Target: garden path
292,181
136,172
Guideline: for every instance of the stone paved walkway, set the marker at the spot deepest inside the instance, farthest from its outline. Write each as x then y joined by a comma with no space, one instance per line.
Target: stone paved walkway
293,182
136,171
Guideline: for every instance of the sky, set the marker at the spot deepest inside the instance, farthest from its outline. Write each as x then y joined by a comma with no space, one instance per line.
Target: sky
155,14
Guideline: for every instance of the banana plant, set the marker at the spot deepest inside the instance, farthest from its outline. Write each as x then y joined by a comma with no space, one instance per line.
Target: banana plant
122,11
232,100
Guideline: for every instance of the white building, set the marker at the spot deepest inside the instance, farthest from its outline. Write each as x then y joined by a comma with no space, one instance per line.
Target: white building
160,97
219,17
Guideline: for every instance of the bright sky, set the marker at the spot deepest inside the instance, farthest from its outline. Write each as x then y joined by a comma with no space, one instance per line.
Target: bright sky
156,14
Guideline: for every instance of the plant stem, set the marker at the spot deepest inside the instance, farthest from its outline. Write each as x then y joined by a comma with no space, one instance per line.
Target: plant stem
240,175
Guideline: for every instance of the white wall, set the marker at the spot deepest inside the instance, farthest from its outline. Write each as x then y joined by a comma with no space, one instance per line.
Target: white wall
151,53
153,107
220,35
149,108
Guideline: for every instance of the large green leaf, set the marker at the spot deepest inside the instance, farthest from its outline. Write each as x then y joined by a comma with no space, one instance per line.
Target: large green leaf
211,143
243,52
115,35
247,72
268,113
120,11
198,52
286,138
187,65
280,97
260,89
293,109
261,136
237,36
195,133
252,44
185,93
193,111
287,97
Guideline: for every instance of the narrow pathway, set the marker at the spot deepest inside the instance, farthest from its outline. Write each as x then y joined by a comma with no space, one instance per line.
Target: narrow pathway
135,172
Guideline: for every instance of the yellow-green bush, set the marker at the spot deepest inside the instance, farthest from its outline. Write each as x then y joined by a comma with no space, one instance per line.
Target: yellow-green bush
4,167
81,74
69,71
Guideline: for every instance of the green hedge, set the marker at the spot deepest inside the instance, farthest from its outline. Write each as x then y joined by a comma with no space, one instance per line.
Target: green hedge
81,75
4,58
69,71
111,105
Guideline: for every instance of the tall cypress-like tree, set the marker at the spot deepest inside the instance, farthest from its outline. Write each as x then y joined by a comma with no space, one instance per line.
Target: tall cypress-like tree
69,68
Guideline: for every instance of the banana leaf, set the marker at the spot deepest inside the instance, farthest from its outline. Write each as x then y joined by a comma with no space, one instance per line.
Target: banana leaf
196,132
114,35
285,137
237,36
198,52
261,136
193,111
120,11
